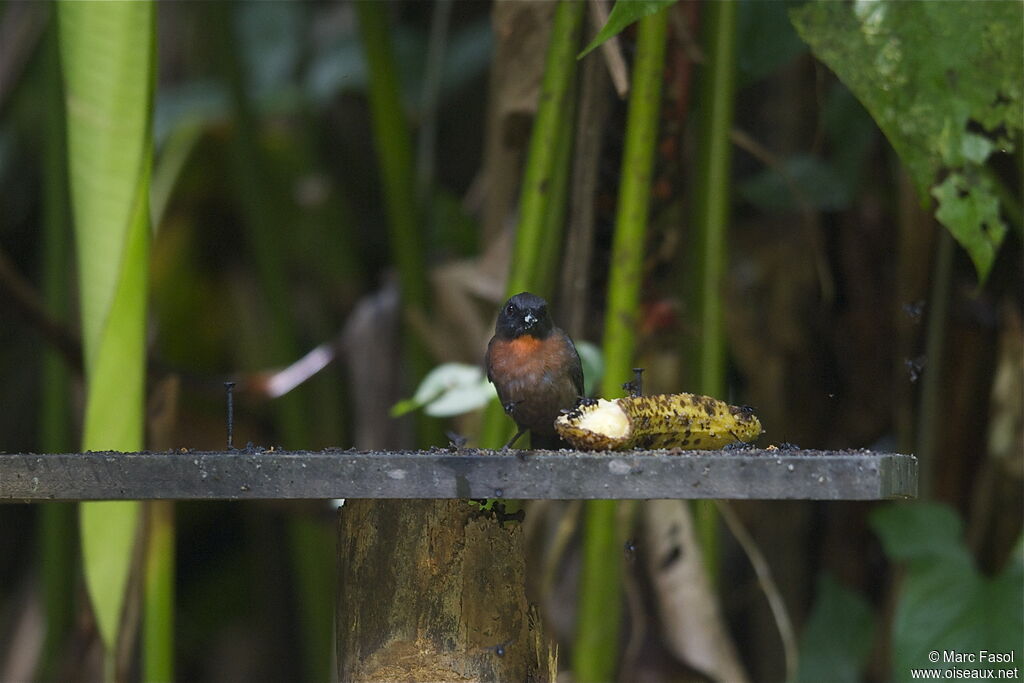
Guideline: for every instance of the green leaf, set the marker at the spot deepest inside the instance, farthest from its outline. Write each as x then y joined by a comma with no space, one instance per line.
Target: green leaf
624,13
107,60
971,212
449,389
592,361
850,133
836,642
944,603
457,388
465,392
945,83
802,178
765,40
921,531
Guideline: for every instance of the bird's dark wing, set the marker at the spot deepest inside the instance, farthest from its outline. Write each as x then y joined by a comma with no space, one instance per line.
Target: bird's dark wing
576,371
487,361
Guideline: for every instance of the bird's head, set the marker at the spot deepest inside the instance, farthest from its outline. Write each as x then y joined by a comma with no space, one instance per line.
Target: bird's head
524,314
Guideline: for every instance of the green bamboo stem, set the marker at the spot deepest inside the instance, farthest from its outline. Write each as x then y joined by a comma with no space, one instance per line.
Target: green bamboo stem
558,204
916,236
713,196
426,141
395,157
264,226
57,520
158,618
538,236
597,628
553,119
711,205
307,537
595,653
935,348
394,152
626,273
279,340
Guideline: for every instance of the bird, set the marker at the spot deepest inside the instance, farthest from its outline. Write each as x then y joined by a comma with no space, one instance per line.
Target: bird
535,369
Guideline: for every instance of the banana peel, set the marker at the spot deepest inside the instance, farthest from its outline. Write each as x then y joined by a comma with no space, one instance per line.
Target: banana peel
687,421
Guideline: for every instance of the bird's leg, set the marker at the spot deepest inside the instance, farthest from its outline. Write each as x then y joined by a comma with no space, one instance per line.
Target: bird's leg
522,430
510,406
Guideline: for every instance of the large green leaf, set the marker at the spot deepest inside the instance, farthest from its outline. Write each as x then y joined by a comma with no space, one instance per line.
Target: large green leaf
945,604
836,642
765,40
107,61
624,13
944,82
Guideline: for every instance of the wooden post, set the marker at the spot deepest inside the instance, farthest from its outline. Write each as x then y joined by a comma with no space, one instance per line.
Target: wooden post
432,590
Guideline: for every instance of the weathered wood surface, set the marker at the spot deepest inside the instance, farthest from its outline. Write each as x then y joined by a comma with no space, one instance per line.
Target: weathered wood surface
264,474
433,591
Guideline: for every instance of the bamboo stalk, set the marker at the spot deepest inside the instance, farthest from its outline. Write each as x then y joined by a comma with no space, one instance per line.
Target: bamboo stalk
935,350
592,119
395,157
558,206
711,220
57,520
426,141
394,150
625,276
595,653
599,613
553,120
278,342
260,213
713,196
538,237
158,617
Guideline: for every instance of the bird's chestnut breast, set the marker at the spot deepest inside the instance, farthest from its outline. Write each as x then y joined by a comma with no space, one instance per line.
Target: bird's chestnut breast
526,365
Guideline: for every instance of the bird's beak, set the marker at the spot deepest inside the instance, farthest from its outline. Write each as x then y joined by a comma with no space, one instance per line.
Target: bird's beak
530,319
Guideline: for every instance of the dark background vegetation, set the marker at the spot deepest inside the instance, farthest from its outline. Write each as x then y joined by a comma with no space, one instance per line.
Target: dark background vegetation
827,296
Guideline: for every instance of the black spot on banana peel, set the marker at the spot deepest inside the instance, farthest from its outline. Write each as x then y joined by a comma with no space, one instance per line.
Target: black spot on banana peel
685,421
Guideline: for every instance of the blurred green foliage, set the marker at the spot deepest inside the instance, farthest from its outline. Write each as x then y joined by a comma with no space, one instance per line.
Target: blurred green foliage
261,116
624,13
944,82
107,57
944,602
837,637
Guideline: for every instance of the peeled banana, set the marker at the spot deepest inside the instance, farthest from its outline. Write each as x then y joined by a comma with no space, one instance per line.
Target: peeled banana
687,421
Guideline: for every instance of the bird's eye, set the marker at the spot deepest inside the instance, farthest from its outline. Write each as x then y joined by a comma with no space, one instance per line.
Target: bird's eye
510,309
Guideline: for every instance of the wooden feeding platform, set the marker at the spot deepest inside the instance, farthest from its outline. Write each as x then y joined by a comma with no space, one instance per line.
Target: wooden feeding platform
266,474
429,588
